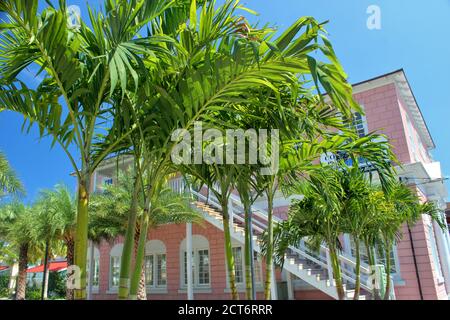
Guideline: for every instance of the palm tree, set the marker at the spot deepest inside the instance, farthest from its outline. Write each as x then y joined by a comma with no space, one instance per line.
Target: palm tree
9,182
83,67
17,227
398,205
111,209
56,223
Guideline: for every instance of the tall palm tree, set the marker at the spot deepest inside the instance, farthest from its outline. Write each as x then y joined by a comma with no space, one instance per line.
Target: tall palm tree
83,67
9,182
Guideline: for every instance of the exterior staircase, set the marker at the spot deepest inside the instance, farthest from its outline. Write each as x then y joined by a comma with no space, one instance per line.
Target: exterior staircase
311,267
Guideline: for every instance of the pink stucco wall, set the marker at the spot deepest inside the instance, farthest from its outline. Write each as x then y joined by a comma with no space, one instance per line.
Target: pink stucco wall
172,236
383,116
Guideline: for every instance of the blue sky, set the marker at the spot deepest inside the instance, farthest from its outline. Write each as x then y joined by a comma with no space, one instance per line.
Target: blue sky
414,35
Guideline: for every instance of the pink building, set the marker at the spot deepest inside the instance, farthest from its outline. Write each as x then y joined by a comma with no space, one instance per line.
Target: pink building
421,268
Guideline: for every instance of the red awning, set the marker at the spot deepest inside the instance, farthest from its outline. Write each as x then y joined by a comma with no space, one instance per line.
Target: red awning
3,268
54,266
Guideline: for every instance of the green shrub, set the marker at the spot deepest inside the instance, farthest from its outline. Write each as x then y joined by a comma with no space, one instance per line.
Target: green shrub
33,293
4,283
57,285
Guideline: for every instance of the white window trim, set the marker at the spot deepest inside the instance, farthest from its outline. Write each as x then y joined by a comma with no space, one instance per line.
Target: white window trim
116,252
196,263
155,284
95,288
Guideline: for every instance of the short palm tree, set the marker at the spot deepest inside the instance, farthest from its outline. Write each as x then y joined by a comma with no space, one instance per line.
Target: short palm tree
111,208
55,223
17,224
398,205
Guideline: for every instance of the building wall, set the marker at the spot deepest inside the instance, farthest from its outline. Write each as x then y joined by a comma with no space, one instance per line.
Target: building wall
172,235
383,116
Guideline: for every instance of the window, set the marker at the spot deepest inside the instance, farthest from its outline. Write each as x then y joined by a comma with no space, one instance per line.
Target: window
161,269
201,268
238,265
380,254
362,250
435,254
155,264
359,123
149,270
115,271
412,142
114,266
96,266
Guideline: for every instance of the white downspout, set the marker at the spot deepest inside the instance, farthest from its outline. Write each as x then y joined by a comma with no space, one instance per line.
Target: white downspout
190,289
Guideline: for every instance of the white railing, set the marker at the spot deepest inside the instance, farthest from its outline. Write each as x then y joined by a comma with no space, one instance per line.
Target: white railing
260,222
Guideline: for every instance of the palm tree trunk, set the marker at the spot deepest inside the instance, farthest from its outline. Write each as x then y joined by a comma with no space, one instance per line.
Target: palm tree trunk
142,291
388,271
137,272
21,284
337,273
44,292
357,269
371,257
269,253
229,251
248,254
125,265
69,257
81,237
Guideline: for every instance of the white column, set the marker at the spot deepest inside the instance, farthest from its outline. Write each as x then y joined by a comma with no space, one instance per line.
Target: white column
444,253
273,287
190,289
231,215
13,276
290,287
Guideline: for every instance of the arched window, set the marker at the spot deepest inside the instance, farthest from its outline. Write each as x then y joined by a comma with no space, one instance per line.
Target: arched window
114,265
96,267
155,264
201,269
